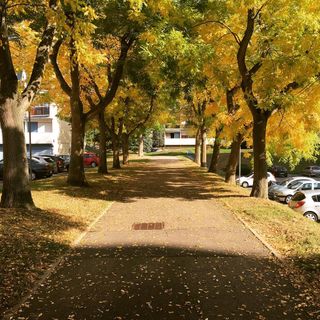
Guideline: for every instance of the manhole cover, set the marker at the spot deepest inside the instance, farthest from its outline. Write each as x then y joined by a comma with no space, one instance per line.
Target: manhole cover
148,226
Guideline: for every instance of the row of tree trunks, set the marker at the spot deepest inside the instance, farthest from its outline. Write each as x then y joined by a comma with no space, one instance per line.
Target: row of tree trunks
103,165
125,148
197,151
216,152
203,148
141,146
231,170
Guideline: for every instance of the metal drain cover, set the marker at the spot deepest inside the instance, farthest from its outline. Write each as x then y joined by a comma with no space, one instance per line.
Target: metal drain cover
148,226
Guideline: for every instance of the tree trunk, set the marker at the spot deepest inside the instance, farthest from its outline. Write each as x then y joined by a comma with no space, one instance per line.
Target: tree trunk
141,146
216,152
103,167
204,148
16,191
260,184
116,152
197,148
233,161
76,176
125,148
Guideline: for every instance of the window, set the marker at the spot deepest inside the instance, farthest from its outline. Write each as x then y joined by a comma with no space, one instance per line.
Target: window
41,110
48,127
306,186
316,198
316,186
174,135
33,126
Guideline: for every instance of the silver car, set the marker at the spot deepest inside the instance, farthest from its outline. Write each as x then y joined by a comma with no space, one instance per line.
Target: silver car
287,183
312,171
307,203
285,194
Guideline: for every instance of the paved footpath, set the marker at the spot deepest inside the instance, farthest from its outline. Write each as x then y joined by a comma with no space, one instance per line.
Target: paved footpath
201,262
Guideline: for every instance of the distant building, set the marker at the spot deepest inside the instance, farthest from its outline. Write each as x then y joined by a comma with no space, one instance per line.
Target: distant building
181,136
49,134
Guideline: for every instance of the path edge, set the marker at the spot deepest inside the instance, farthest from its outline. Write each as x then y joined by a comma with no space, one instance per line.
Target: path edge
9,314
272,250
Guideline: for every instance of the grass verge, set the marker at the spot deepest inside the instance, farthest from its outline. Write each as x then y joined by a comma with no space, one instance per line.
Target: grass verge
288,232
31,240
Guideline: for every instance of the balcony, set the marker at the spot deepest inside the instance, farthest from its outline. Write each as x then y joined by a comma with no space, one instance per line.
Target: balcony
40,112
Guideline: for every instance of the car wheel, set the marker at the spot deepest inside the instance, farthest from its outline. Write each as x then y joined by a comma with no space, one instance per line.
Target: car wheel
288,198
311,215
245,184
93,164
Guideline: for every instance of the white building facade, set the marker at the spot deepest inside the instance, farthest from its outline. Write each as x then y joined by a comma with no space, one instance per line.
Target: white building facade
179,137
49,134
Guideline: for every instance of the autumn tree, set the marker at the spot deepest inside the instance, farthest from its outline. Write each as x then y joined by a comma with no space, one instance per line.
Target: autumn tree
15,99
271,49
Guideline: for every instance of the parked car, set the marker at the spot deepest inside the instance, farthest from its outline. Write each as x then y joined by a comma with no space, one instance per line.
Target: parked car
279,171
247,181
50,161
39,168
312,171
59,162
285,194
307,203
66,159
90,159
285,183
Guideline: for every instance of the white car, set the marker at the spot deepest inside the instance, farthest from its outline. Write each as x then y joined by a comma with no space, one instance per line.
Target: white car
285,194
287,183
307,203
247,181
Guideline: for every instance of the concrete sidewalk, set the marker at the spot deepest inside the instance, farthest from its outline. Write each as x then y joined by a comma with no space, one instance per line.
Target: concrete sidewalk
203,263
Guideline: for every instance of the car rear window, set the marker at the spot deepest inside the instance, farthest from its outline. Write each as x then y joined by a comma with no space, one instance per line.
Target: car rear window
316,198
298,196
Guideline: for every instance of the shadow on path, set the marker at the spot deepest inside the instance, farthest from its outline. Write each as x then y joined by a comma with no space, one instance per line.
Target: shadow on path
166,283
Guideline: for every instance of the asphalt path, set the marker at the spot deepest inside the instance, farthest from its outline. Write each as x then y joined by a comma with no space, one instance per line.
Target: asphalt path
195,261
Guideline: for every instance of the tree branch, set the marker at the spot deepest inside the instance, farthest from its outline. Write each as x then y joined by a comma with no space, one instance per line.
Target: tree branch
236,37
41,59
54,61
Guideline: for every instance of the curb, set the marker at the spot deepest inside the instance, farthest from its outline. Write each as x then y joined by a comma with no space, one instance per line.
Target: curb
8,315
273,251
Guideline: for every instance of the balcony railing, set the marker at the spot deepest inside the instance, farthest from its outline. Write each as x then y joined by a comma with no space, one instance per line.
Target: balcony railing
41,111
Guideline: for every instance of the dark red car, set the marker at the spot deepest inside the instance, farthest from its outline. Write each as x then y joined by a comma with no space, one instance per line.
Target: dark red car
90,159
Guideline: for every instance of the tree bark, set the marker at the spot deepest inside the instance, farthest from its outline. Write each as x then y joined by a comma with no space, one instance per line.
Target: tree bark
204,148
76,175
216,152
233,161
103,167
125,148
260,183
197,148
116,152
141,146
16,191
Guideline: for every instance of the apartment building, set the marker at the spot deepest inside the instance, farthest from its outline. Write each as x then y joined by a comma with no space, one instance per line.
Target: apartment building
181,136
49,134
